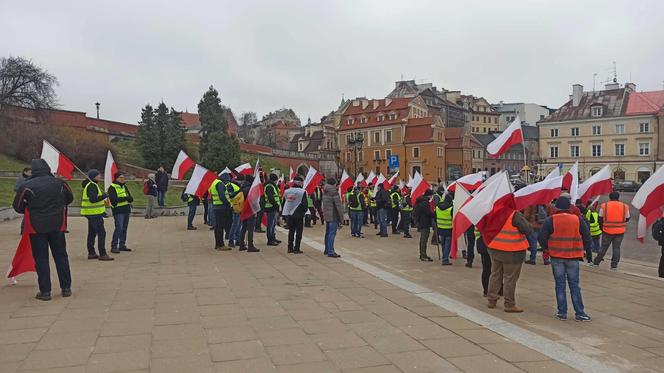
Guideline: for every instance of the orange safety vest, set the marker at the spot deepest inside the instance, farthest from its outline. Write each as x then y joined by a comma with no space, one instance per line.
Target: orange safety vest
613,217
565,241
509,238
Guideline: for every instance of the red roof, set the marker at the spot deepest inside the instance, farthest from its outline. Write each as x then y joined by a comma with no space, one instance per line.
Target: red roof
640,103
280,124
359,108
252,148
190,120
419,130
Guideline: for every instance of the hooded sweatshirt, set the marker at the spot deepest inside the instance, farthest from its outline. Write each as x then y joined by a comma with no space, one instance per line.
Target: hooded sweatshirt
422,214
333,209
45,197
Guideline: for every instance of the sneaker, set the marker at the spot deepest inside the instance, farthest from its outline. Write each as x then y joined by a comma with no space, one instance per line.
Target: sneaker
231,244
513,309
582,318
106,258
427,259
407,236
43,296
115,251
191,228
447,263
531,262
298,251
469,265
272,244
243,248
125,249
252,249
561,317
335,255
613,268
593,264
66,293
277,241
464,254
93,256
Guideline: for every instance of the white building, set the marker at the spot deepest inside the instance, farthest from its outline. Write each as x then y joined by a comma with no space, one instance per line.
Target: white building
529,113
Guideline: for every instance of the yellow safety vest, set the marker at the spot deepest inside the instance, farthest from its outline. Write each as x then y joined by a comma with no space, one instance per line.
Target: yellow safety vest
444,218
92,208
277,198
359,203
120,191
595,230
477,233
214,194
395,204
407,207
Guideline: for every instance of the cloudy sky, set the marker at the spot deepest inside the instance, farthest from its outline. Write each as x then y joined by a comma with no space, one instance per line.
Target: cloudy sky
265,55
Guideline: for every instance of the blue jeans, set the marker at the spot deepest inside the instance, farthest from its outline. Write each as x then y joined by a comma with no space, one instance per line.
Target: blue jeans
271,232
161,196
356,222
212,218
567,271
330,234
595,243
192,214
236,228
382,220
532,243
120,233
445,240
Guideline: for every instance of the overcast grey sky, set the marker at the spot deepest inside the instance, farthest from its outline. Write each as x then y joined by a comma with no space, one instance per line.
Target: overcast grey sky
264,55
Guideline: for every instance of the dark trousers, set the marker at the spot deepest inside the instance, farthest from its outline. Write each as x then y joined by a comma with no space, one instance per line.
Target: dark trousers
424,241
96,230
661,264
40,243
119,239
205,211
372,216
248,231
395,219
365,216
161,197
295,225
405,222
613,240
319,210
223,218
259,221
191,215
486,264
470,239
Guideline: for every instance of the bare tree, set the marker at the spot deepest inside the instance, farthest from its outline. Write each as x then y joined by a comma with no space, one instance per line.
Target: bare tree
24,84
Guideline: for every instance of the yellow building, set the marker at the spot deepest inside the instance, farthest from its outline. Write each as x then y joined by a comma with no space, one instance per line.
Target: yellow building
616,126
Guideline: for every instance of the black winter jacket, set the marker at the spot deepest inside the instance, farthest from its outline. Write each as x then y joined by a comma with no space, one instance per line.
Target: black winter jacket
422,214
113,197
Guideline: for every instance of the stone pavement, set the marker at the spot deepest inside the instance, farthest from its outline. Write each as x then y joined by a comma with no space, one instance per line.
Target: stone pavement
175,305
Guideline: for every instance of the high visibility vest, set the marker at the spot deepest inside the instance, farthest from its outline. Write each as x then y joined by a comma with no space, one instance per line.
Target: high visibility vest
595,230
92,208
121,191
214,193
357,197
407,207
395,204
613,217
444,218
509,238
317,192
565,241
190,198
277,198
477,233
365,198
310,202
372,200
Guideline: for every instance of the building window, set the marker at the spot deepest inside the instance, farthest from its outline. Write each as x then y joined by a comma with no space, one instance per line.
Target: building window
554,132
483,119
360,156
349,138
348,157
388,136
644,127
620,149
574,151
553,151
376,155
364,120
495,120
393,116
416,152
620,129
644,148
597,130
441,152
381,118
596,150
541,116
484,129
300,146
575,131
377,170
388,153
350,121
377,137
596,111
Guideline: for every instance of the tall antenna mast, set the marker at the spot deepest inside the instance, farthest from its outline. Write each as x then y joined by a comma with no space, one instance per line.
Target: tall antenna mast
615,72
594,79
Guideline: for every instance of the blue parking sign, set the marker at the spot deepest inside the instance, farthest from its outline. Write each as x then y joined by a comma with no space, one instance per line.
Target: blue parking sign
393,161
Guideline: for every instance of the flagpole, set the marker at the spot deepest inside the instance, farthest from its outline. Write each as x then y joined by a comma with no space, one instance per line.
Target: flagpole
525,161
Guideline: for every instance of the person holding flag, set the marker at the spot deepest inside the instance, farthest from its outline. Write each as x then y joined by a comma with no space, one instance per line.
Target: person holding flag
443,214
120,199
223,211
613,218
272,207
295,207
93,207
395,201
43,199
406,211
249,218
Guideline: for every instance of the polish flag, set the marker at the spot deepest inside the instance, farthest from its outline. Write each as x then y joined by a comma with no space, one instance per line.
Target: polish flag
511,136
470,181
360,180
312,180
346,182
392,181
418,186
200,181
226,171
571,182
379,180
488,211
23,260
252,203
596,185
57,161
183,163
282,185
554,173
291,175
401,184
371,177
409,184
649,200
110,170
540,193
244,169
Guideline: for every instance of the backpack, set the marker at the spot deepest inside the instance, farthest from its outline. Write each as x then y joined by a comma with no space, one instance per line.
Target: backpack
658,230
353,200
146,188
237,202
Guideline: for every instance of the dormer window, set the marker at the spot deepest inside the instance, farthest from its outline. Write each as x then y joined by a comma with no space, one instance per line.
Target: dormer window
364,120
596,111
380,117
350,121
392,116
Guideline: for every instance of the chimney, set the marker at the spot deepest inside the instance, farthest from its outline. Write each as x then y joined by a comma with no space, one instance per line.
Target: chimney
577,92
631,86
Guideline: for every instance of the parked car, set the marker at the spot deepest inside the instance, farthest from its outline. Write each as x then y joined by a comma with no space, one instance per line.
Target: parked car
626,186
518,183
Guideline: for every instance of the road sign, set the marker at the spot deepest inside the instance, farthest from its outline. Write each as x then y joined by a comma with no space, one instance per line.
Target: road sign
393,161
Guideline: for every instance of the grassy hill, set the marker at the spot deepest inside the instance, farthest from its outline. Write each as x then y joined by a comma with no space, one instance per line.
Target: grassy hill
8,163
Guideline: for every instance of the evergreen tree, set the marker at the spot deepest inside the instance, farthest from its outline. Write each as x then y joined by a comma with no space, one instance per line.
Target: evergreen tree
218,148
160,136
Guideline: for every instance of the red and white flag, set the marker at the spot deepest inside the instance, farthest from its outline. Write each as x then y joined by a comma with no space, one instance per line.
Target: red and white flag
282,185
380,180
57,161
391,182
554,173
649,200
110,170
244,169
470,181
371,177
418,186
541,193
511,136
571,182
252,203
487,210
401,184
360,180
23,260
345,183
200,181
312,180
596,185
183,163
291,175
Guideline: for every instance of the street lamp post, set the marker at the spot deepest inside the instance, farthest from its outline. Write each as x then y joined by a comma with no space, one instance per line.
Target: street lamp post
355,142
97,104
